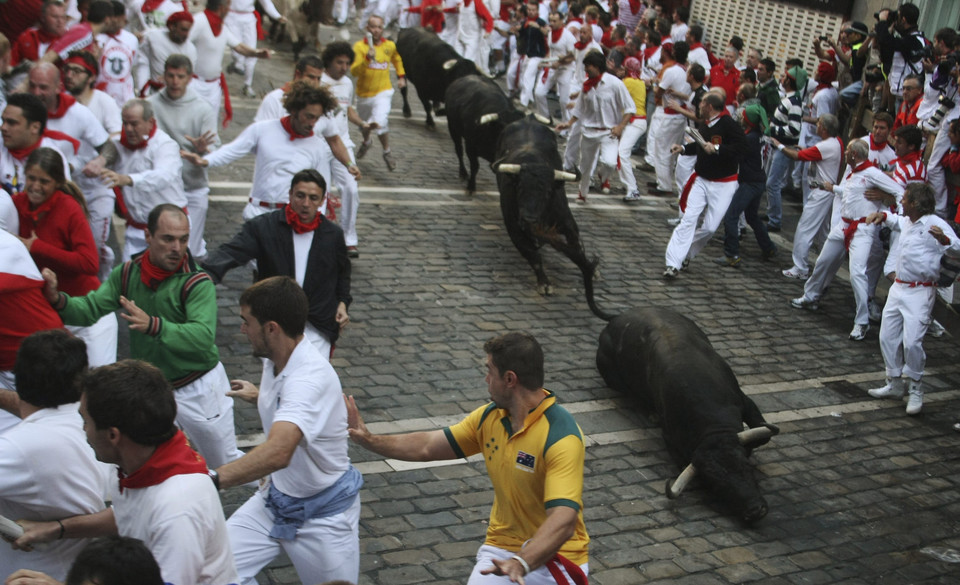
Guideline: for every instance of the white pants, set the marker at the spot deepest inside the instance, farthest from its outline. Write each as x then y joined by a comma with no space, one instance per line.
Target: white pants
101,340
450,27
653,129
325,549
376,109
631,134
210,91
528,79
906,316
468,42
349,199
712,198
571,152
318,340
598,152
100,217
936,176
134,241
670,132
829,262
560,79
243,25
816,214
205,413
539,576
514,72
683,171
197,204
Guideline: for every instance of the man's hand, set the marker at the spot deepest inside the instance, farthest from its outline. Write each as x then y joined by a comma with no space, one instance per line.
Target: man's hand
563,126
355,171
27,577
875,218
710,148
36,533
262,53
510,568
50,291
402,82
95,167
200,143
193,158
114,179
874,194
676,149
138,318
355,428
616,131
938,234
28,242
342,317
244,391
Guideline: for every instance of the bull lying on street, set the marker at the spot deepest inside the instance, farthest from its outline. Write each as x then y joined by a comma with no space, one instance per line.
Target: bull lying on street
431,66
477,112
533,202
666,363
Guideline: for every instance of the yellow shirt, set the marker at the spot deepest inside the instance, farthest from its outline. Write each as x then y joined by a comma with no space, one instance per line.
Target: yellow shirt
533,470
638,91
373,77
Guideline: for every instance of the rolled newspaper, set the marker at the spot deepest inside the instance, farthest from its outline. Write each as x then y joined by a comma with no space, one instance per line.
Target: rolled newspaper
9,529
695,134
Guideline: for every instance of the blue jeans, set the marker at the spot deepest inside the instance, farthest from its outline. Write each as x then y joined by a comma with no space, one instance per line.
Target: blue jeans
776,177
851,93
746,201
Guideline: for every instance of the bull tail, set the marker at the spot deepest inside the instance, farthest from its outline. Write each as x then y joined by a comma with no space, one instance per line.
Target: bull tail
406,104
588,272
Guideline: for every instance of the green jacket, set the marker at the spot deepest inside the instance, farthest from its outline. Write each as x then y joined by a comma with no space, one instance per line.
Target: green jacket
181,337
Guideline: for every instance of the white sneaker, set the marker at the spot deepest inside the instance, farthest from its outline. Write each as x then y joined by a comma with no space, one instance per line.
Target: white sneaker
632,196
915,403
794,272
874,311
894,389
935,329
673,221
802,303
859,331
670,273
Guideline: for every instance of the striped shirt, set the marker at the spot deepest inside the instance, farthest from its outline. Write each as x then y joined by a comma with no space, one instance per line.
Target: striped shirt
785,125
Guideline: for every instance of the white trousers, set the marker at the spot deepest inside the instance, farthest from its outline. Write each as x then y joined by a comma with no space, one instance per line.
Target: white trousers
349,199
205,413
670,132
556,78
376,109
710,198
936,176
598,153
318,340
816,214
243,25
528,79
539,576
514,72
100,217
197,204
631,134
831,256
571,152
101,340
325,549
906,316
652,130
210,91
683,170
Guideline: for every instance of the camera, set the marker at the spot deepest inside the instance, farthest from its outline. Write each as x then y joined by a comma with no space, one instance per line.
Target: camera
944,105
873,74
892,17
824,39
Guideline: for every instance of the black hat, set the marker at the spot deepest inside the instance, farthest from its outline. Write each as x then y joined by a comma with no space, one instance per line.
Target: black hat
857,27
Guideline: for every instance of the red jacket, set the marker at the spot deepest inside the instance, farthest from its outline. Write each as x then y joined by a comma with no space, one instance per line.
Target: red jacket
729,81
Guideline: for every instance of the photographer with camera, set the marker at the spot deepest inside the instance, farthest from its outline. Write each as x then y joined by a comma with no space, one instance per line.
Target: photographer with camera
944,81
901,53
852,52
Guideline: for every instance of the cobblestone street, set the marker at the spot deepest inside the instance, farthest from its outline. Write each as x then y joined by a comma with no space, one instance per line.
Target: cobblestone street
859,493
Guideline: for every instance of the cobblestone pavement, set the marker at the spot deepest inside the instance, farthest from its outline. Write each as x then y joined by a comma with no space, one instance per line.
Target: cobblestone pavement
858,491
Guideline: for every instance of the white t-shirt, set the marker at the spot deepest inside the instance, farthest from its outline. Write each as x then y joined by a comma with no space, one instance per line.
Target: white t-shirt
307,393
155,47
301,253
156,19
826,169
678,32
675,78
106,110
80,123
49,472
202,37
563,47
342,89
181,522
118,54
12,178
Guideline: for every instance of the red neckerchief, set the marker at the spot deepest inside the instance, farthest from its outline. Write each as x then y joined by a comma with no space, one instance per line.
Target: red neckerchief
152,275
40,210
634,6
21,154
174,457
618,43
143,143
288,126
579,45
591,83
216,23
696,46
555,35
864,165
66,100
575,19
649,51
150,6
907,159
297,225
876,145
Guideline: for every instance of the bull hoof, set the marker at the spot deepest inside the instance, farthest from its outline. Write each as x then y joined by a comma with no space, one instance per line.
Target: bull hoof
545,290
406,112
431,125
755,514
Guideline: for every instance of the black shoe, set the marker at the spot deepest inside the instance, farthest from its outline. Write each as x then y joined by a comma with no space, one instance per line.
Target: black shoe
773,228
352,252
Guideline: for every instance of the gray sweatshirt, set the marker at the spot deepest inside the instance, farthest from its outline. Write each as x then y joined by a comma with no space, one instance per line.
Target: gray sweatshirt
191,116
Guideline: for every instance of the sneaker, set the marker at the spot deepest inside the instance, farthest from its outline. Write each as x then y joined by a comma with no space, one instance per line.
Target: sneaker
773,228
605,187
390,160
632,196
352,252
670,273
802,303
915,402
686,262
874,311
733,261
794,272
581,198
859,331
935,329
956,427
364,149
770,254
248,92
673,221
894,389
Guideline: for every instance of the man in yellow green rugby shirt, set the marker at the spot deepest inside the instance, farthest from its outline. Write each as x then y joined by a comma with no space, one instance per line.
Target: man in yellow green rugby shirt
534,454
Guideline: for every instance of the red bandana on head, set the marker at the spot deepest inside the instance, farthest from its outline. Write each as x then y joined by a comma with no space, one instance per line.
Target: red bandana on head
65,101
288,126
150,6
297,224
174,457
216,23
143,143
152,275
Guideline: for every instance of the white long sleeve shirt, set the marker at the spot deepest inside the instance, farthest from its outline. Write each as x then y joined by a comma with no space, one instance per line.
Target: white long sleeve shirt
604,105
853,203
155,171
916,257
155,47
210,46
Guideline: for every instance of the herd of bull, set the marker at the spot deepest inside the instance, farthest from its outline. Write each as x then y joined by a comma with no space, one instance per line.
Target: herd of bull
657,357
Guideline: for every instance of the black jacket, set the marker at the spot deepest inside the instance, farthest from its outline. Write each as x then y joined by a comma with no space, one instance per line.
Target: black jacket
728,135
268,239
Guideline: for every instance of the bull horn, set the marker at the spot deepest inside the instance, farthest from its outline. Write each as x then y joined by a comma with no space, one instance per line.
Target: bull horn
675,488
754,434
541,119
487,118
508,169
564,176
448,65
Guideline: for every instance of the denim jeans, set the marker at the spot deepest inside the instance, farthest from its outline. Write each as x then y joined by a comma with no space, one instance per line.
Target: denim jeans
776,177
747,201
